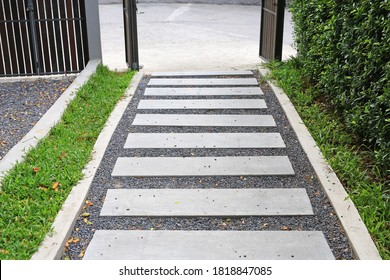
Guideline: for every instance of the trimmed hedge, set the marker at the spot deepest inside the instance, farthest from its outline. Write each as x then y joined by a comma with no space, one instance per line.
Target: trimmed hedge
344,51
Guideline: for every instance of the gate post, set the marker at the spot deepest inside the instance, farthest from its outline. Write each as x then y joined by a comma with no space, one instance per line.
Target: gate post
271,30
131,36
93,29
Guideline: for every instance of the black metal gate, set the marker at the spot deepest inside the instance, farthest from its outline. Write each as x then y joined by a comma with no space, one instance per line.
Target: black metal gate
271,30
131,35
42,37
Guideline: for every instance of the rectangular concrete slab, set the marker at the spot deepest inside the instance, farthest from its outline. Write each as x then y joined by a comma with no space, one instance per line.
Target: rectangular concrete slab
202,74
204,82
204,140
206,202
203,120
203,166
203,91
208,245
203,104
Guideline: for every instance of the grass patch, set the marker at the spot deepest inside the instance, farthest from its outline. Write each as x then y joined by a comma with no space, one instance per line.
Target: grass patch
33,192
353,163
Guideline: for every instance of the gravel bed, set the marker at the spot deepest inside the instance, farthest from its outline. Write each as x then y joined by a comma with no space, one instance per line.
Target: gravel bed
22,104
324,218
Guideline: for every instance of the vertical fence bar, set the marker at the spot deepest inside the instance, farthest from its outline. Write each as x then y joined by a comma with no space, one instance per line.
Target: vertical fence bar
58,28
11,70
3,71
2,61
27,36
22,45
47,32
14,38
36,57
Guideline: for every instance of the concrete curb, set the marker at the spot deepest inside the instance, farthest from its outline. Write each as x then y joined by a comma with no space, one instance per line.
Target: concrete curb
357,233
53,245
45,124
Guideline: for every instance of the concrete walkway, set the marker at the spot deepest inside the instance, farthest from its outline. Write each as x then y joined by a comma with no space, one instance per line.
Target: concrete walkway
187,177
189,36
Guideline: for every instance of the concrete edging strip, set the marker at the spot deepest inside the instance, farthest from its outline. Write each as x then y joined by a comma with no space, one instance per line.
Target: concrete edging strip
356,231
52,247
45,124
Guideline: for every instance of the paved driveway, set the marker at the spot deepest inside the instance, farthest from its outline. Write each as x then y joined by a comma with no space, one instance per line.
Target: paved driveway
189,36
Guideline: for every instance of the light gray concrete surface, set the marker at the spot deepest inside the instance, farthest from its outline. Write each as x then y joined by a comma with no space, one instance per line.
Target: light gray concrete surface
206,202
179,37
217,2
204,82
203,166
203,91
203,104
208,245
202,74
358,235
203,120
204,140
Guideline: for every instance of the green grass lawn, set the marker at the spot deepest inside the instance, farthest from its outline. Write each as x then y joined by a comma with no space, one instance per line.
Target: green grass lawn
353,164
33,192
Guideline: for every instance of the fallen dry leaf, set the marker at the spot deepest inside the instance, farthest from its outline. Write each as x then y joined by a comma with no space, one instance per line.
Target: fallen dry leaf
55,186
85,215
36,169
4,252
285,228
89,203
82,254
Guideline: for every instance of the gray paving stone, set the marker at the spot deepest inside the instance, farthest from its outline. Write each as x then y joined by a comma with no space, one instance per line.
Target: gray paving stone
208,245
204,82
203,120
202,74
206,202
203,91
203,166
203,104
204,140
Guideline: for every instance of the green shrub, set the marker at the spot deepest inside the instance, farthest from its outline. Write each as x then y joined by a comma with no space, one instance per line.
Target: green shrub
343,47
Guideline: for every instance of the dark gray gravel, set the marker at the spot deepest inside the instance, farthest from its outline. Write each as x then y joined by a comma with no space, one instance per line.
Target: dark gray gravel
324,220
22,104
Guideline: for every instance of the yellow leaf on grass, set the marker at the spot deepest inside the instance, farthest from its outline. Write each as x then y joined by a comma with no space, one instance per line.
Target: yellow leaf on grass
55,186
4,252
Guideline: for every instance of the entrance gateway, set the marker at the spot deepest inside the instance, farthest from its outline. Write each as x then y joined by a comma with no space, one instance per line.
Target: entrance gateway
271,31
